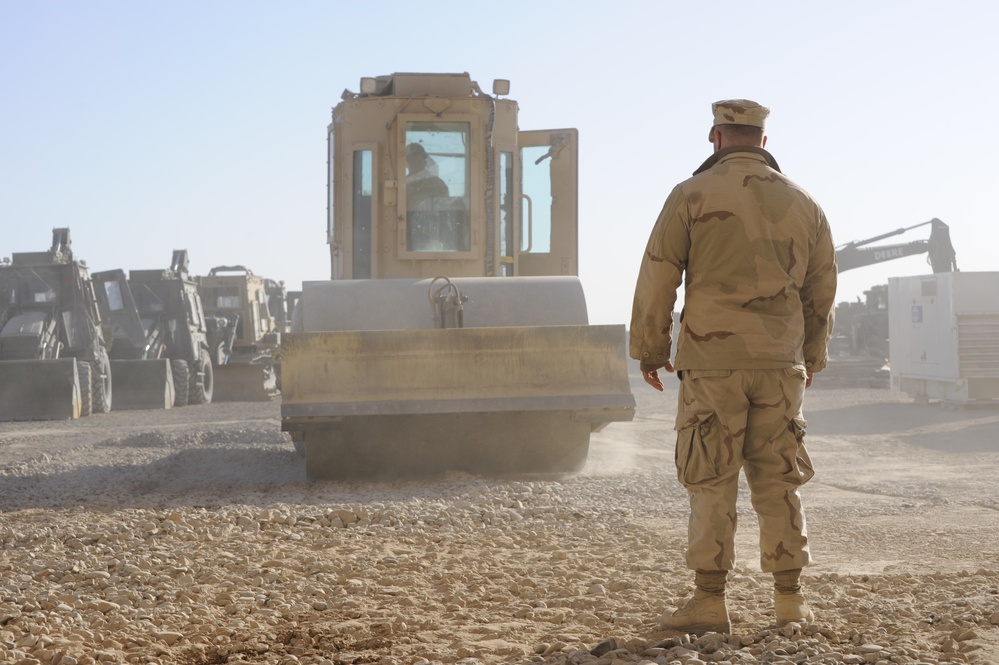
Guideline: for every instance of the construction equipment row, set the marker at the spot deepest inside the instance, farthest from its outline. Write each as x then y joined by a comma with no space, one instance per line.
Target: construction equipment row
74,343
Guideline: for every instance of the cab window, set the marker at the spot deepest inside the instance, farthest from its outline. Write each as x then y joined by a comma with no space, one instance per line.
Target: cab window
437,187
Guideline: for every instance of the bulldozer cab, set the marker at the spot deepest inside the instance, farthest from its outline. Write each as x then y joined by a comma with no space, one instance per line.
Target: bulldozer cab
152,312
173,300
244,334
238,295
52,342
428,175
120,313
40,317
160,349
48,292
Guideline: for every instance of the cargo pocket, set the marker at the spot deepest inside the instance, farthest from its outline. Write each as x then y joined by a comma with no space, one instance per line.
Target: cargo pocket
798,464
698,443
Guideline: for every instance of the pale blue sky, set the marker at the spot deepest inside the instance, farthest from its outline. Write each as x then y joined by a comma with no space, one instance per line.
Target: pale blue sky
146,126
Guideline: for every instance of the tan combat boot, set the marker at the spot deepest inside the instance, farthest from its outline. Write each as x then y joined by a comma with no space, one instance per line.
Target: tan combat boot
789,602
791,607
704,613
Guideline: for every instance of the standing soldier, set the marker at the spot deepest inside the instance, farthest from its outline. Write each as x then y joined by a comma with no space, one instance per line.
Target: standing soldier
756,256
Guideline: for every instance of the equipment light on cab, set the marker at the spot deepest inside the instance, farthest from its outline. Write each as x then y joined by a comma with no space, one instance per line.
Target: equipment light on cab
368,85
501,86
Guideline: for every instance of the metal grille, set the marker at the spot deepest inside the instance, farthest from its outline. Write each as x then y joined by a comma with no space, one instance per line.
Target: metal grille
978,345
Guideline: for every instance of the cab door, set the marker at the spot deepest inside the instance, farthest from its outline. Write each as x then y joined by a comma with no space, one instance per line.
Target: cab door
117,305
548,240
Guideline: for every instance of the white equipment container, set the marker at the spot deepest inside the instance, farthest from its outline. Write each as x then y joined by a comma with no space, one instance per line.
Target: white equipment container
944,336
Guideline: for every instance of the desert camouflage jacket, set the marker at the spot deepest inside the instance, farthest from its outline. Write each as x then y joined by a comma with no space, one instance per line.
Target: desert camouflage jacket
756,257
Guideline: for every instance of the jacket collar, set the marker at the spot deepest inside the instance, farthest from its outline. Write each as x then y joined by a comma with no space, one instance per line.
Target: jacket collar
722,154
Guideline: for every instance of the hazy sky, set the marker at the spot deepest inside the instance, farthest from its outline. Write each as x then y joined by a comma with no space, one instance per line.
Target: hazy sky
150,126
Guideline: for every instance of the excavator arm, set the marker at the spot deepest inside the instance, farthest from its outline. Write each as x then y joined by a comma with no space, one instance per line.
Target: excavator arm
858,253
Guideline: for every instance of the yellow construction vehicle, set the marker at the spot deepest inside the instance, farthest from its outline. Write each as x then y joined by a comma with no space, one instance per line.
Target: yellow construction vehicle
453,333
244,333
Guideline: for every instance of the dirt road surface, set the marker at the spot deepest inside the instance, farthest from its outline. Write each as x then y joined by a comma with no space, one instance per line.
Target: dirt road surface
191,536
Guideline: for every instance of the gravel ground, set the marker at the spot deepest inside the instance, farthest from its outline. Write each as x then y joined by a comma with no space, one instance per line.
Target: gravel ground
190,536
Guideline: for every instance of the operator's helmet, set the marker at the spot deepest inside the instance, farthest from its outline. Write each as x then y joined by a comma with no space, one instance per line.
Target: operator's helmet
415,150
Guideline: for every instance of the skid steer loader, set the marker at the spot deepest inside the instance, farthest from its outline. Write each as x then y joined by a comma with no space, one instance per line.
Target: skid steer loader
246,335
159,351
453,333
53,357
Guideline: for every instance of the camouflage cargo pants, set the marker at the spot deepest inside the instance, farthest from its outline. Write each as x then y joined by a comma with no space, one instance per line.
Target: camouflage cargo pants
728,420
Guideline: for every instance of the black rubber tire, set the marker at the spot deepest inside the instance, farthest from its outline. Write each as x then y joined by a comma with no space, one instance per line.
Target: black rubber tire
202,381
181,381
86,388
101,382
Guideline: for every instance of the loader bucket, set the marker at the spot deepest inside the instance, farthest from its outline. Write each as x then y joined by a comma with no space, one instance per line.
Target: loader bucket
142,384
491,400
39,390
244,382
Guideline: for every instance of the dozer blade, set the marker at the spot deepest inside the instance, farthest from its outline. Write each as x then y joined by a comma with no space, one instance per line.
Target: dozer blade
510,400
142,384
244,382
39,390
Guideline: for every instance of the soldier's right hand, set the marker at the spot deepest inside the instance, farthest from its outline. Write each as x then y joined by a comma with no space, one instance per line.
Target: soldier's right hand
652,378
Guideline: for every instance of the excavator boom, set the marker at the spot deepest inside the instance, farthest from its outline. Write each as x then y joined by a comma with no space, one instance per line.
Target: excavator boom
859,253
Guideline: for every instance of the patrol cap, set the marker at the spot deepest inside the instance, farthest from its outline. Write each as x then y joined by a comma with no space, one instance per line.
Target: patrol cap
738,112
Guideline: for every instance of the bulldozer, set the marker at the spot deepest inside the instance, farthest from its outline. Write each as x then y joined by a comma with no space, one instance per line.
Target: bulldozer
452,334
244,335
159,348
54,361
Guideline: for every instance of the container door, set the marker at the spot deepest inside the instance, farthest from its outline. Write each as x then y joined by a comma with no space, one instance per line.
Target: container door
548,202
